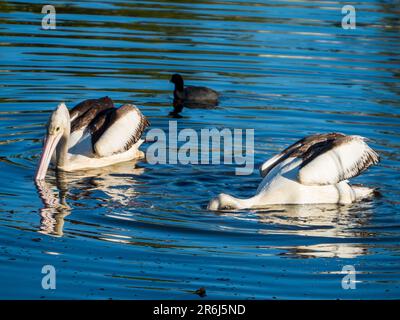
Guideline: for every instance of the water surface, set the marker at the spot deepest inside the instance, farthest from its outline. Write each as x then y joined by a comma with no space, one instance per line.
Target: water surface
139,231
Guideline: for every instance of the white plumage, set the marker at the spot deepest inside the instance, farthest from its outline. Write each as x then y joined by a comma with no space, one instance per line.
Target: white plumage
343,159
98,135
128,125
313,170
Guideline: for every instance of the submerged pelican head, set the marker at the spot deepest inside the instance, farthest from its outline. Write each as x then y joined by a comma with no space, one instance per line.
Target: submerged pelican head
58,126
224,202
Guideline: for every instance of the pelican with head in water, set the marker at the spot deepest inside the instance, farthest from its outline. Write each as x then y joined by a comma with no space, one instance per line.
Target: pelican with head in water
91,135
314,170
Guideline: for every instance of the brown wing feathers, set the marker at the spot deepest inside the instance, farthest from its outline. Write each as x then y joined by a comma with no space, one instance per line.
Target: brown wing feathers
117,131
360,164
86,111
301,148
99,115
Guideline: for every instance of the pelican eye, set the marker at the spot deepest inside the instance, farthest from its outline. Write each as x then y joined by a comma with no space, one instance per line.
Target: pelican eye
57,129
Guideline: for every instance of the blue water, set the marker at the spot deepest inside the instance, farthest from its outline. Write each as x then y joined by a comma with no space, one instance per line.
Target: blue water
284,68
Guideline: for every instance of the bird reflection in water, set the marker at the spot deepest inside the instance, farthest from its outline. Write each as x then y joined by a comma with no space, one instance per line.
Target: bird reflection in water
178,106
334,223
55,208
117,182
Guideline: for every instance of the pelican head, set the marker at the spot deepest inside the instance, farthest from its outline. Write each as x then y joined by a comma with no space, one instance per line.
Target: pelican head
224,202
57,127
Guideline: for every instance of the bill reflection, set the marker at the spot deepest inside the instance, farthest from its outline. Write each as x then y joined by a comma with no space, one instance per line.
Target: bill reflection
116,184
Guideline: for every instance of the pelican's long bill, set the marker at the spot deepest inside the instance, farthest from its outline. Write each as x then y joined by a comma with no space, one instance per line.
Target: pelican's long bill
48,150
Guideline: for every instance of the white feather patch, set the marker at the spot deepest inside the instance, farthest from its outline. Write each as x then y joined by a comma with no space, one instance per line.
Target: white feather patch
118,135
75,137
80,143
347,159
267,165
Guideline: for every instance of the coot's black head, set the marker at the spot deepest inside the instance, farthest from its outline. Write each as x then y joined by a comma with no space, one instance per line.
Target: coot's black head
177,79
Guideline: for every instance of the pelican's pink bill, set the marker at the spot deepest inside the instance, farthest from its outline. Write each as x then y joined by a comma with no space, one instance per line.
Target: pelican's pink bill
48,150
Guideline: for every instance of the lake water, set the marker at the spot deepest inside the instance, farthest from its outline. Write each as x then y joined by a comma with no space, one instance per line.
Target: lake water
284,68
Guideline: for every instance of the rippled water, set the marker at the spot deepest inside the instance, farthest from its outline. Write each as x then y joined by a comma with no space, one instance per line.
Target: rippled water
284,68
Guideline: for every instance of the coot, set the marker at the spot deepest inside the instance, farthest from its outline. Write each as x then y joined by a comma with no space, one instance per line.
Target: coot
191,96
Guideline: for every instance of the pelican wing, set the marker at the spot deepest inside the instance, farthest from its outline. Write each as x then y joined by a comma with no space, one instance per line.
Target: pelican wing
335,160
83,113
297,149
268,165
119,131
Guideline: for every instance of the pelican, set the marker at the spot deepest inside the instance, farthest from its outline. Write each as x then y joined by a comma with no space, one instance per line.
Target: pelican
314,170
91,135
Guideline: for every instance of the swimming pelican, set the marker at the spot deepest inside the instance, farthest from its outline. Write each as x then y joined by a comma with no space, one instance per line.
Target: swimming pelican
313,170
91,135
